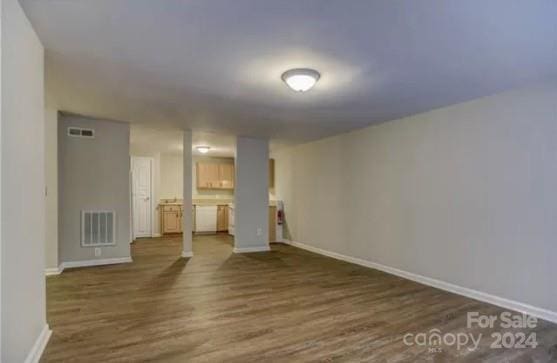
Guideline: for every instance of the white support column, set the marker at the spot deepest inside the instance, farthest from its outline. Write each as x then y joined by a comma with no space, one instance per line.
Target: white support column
251,195
187,226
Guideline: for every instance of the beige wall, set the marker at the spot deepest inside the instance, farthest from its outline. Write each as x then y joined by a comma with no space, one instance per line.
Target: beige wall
23,316
51,177
464,194
93,174
171,176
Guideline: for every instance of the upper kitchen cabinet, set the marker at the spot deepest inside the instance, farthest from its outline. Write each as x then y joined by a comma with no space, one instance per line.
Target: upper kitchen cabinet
215,175
220,175
208,176
226,176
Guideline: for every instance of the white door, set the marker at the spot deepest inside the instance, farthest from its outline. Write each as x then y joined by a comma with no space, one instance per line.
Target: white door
141,196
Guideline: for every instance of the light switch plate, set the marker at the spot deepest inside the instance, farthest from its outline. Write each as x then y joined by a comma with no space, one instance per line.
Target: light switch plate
98,252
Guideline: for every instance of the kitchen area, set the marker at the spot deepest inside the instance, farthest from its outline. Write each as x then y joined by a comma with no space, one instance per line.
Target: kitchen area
213,201
157,185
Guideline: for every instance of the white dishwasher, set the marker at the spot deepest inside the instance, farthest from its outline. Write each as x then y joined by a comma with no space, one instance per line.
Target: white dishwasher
206,218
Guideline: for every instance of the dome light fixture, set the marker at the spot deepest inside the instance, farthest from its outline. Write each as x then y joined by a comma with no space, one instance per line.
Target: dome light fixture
301,79
203,149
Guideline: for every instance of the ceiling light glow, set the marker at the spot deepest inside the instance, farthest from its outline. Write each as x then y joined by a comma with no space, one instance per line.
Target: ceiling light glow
301,79
203,149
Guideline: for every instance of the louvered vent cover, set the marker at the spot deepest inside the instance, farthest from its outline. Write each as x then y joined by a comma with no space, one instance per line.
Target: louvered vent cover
81,132
97,228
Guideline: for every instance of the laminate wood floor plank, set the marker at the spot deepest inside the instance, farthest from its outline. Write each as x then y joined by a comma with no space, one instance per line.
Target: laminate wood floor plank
286,305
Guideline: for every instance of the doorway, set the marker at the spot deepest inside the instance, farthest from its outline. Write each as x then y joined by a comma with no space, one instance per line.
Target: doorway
142,201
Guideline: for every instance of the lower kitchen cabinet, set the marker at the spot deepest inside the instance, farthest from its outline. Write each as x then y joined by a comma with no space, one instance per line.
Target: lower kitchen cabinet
171,218
222,218
207,219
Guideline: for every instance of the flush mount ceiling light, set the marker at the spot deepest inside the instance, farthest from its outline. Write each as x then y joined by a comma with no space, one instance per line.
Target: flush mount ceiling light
300,79
203,149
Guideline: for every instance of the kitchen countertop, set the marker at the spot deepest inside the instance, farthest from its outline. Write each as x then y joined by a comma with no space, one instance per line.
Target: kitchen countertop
209,202
200,201
204,202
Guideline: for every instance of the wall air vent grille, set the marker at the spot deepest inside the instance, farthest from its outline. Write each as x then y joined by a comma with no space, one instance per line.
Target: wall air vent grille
81,132
98,228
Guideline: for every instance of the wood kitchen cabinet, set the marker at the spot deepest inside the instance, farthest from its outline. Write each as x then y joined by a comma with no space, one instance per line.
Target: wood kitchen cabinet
208,176
221,175
171,218
215,175
271,173
226,176
222,218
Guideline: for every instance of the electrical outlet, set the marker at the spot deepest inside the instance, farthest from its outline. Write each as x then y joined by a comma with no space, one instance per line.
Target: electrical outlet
259,231
98,252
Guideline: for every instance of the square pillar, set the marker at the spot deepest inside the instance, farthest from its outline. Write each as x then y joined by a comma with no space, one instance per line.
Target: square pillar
187,223
251,195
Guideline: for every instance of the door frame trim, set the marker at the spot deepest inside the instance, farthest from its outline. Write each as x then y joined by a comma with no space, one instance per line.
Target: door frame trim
152,209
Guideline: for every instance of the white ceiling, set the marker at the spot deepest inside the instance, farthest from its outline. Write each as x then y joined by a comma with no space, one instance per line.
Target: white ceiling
215,65
148,141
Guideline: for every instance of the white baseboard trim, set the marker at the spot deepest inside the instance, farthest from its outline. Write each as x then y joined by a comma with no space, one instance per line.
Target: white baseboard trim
251,249
51,271
99,262
156,235
459,290
37,350
187,254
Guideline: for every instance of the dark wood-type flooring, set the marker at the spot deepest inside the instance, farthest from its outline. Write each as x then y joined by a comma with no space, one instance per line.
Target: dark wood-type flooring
287,305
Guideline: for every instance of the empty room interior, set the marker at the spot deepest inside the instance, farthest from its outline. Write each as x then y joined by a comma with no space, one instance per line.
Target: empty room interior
278,181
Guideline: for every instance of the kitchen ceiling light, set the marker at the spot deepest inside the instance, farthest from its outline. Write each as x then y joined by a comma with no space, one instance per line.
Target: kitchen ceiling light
203,149
301,79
